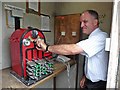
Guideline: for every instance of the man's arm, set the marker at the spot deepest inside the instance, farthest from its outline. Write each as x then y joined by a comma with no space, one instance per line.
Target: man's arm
63,49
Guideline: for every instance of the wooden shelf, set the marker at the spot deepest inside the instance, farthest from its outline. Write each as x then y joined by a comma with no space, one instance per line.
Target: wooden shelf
12,82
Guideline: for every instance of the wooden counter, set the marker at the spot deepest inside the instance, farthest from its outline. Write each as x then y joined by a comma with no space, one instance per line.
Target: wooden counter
8,81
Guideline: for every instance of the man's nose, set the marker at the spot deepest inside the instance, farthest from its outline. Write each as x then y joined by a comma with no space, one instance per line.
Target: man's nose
82,24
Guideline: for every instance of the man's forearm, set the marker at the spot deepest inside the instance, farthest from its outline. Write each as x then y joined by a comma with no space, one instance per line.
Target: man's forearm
63,49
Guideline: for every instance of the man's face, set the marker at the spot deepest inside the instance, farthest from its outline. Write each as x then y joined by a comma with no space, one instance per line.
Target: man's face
88,23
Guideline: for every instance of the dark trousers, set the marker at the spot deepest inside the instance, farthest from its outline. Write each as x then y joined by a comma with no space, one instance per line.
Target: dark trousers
95,85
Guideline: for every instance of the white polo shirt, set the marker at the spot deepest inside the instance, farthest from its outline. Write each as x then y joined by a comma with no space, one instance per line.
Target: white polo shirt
96,63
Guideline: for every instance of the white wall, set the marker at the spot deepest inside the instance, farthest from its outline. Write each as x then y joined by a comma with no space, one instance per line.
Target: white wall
49,9
6,32
0,44
1,35
48,84
66,79
119,36
118,75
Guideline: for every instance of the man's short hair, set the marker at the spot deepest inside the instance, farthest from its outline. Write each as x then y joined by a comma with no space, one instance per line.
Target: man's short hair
93,13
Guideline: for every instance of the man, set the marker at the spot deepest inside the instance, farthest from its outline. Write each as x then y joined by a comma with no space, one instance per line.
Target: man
93,48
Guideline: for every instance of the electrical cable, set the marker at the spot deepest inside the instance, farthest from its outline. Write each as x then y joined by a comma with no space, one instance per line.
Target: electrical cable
68,72
59,39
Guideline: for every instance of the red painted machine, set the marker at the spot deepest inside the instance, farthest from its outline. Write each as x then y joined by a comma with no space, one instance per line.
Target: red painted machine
24,54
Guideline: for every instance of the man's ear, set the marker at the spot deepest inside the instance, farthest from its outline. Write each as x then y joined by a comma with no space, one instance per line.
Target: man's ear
96,22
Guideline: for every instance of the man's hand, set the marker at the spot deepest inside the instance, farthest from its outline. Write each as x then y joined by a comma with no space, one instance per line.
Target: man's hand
41,45
82,82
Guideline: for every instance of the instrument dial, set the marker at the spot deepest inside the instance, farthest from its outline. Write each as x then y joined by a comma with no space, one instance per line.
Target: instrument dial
34,34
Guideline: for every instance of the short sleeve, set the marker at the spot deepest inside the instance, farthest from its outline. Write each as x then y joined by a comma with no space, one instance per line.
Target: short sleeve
93,45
